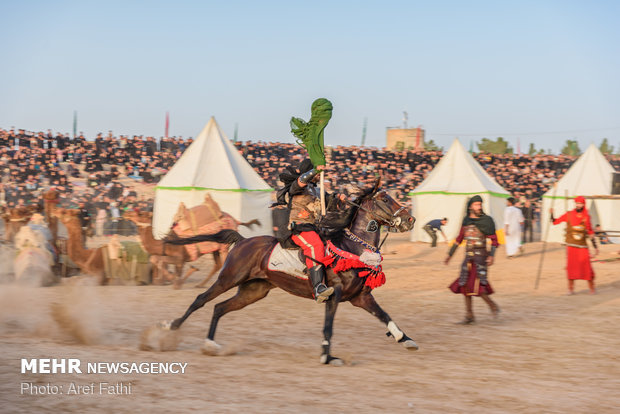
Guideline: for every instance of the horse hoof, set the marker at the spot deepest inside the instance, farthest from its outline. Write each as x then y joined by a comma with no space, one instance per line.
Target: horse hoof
211,347
165,325
410,345
330,360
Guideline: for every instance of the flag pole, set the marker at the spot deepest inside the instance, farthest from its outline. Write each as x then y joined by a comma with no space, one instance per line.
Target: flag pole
322,192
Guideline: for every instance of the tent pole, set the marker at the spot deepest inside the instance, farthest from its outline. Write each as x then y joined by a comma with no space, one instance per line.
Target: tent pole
544,246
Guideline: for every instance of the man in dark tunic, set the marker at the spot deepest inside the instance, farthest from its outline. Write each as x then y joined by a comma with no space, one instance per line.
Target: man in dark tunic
528,216
434,226
477,227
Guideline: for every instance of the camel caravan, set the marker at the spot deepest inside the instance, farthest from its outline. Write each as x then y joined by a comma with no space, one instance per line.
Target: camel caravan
50,247
183,207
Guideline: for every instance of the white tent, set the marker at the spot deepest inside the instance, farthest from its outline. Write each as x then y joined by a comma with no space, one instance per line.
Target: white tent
213,165
444,193
590,175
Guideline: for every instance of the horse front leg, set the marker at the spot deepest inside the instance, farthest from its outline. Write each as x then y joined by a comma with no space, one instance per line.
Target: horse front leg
328,328
367,301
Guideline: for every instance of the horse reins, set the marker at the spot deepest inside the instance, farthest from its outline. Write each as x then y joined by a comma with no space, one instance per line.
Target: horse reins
392,223
393,217
354,237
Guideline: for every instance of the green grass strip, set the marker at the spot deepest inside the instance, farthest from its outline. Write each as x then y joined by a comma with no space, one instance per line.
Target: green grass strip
236,190
450,193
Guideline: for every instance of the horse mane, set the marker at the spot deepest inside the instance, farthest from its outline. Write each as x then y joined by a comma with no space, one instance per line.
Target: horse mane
335,229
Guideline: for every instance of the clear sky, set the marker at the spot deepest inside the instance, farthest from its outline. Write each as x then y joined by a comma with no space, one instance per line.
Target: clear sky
543,71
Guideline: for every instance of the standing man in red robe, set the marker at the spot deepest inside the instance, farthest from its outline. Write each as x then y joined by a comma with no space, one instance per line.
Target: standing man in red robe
578,229
476,228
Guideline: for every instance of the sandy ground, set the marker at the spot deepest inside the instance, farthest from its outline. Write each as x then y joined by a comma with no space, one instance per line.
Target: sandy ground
547,353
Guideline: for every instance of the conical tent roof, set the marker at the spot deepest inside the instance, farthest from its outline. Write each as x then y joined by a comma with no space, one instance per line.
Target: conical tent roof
444,193
212,162
590,175
459,173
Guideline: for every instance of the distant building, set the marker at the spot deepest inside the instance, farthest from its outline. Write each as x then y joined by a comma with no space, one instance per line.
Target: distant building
400,139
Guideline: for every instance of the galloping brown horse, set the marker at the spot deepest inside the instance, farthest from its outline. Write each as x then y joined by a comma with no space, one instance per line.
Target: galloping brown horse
247,268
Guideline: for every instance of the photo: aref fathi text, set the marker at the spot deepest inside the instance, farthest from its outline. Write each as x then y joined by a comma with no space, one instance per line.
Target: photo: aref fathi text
73,388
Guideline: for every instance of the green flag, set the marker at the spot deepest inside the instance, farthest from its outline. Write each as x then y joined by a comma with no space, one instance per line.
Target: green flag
310,134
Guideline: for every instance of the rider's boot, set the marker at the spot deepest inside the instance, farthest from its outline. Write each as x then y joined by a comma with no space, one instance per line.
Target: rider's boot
321,292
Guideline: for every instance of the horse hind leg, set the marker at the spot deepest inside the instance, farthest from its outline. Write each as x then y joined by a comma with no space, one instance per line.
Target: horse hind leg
367,301
229,278
214,291
248,293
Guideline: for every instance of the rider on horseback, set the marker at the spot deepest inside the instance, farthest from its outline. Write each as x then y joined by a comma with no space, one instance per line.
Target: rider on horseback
304,216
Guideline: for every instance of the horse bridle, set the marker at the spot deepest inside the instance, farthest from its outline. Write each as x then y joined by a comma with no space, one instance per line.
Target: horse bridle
394,220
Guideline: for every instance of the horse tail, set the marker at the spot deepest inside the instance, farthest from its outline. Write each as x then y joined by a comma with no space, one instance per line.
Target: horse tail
250,223
222,237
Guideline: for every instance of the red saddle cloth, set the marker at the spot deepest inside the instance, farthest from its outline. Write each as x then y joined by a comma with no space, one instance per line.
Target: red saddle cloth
340,261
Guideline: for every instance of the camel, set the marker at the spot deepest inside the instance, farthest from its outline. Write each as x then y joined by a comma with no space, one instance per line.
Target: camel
163,254
90,261
50,201
170,254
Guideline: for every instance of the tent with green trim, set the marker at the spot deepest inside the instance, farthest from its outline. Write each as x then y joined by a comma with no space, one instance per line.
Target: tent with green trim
590,175
212,164
444,193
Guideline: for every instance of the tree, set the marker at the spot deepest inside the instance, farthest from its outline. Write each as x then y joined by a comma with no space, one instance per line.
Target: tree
431,146
571,148
499,146
532,150
606,148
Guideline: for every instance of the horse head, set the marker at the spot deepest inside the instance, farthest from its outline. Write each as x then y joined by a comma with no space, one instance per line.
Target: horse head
385,210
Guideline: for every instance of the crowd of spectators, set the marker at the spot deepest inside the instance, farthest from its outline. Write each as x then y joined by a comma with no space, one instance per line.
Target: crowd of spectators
401,171
523,175
93,174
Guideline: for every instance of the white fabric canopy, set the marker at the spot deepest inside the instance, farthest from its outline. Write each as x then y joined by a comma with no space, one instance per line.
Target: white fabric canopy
444,193
590,175
212,164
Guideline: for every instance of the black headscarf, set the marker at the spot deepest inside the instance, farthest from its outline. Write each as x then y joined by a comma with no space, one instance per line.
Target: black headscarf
484,223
